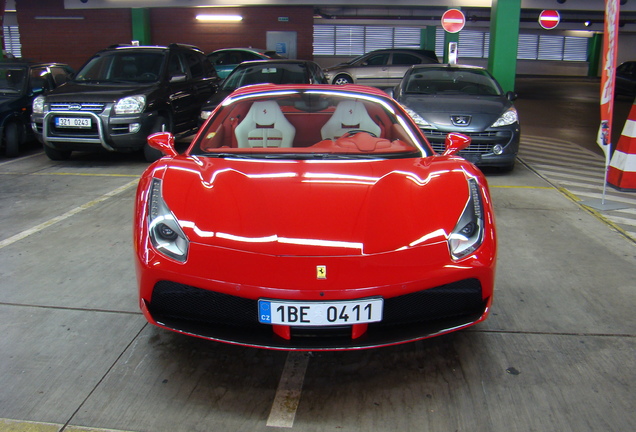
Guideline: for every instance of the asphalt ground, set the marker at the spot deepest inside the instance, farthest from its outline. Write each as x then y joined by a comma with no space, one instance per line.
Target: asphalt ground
558,352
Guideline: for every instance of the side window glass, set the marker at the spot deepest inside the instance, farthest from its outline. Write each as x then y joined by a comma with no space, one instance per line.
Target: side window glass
377,60
175,66
39,80
195,65
405,59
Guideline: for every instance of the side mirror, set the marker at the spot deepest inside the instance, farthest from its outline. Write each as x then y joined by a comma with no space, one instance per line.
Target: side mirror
455,142
164,142
178,78
390,91
511,96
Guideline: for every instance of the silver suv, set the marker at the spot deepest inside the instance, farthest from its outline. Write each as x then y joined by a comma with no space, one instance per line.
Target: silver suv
380,68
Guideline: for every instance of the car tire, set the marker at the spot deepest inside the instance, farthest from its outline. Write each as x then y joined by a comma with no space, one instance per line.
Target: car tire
12,139
161,125
342,80
55,154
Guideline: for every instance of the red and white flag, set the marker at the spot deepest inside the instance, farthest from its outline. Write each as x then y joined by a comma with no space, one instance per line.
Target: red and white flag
608,75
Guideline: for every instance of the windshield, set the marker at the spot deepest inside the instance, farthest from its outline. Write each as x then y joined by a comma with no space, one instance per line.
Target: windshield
294,73
308,124
12,79
123,67
451,81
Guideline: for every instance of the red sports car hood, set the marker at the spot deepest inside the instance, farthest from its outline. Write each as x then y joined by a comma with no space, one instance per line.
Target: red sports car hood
315,208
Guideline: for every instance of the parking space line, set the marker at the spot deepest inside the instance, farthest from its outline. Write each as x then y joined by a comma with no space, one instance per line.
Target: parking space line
76,210
289,390
70,174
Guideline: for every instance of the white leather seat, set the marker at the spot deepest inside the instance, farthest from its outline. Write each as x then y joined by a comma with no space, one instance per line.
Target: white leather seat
265,126
349,115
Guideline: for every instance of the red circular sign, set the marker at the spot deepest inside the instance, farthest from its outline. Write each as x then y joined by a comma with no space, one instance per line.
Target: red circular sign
549,19
453,20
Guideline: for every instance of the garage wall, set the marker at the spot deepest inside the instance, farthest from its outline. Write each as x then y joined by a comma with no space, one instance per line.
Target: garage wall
48,32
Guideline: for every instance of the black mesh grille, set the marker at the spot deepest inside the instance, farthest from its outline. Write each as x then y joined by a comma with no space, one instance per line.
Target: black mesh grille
230,318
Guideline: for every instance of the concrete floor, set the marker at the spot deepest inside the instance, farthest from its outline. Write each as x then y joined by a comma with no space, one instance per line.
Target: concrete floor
558,352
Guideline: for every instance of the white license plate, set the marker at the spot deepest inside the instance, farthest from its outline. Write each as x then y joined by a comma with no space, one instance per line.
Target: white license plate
73,122
319,313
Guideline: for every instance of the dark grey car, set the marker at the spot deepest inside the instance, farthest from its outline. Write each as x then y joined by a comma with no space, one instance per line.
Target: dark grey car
464,99
380,68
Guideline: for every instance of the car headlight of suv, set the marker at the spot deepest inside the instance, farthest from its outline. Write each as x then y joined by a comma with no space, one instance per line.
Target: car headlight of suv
468,234
507,118
38,105
130,105
163,228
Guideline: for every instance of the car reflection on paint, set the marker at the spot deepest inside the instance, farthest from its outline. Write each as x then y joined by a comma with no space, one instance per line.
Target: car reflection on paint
313,217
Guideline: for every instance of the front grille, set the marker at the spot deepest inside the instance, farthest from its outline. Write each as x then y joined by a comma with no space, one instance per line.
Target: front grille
226,317
78,107
481,142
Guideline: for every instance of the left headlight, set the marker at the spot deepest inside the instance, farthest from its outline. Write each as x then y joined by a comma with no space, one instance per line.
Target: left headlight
38,105
130,105
468,234
507,118
163,228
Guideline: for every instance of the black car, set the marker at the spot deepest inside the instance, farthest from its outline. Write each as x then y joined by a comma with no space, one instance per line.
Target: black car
265,71
20,82
122,95
626,79
464,99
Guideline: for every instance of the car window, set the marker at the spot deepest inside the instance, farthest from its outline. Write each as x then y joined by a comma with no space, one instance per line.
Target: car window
176,65
308,124
247,56
195,65
404,59
123,66
12,79
39,79
60,75
273,73
451,81
377,60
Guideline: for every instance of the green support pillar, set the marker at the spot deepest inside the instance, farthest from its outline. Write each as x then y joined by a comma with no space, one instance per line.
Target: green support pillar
594,53
427,38
141,25
504,37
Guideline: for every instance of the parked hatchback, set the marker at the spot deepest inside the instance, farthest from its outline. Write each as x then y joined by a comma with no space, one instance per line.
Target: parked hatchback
380,68
122,95
464,99
20,82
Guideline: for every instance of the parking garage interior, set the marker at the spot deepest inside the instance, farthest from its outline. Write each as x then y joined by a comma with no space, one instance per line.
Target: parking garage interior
556,354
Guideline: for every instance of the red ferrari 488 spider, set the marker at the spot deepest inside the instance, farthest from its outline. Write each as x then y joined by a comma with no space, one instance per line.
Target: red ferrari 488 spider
313,217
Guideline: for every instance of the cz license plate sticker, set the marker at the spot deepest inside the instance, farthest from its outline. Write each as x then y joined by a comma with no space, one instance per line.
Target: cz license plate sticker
73,122
318,313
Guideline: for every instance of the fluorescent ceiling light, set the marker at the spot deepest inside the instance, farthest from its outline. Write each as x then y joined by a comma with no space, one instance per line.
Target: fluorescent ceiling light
226,18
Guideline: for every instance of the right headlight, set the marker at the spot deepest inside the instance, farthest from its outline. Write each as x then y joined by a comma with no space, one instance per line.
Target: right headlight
468,234
38,105
418,119
163,228
509,117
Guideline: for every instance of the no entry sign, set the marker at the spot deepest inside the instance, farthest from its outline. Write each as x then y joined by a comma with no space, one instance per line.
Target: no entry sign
453,20
549,19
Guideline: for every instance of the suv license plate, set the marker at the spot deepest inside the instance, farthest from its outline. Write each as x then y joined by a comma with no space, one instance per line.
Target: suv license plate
73,122
320,313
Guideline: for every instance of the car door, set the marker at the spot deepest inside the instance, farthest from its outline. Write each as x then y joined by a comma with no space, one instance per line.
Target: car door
180,92
373,70
400,63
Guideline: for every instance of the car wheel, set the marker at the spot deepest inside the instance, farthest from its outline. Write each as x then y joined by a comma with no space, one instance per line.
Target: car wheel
12,139
57,155
342,80
152,154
